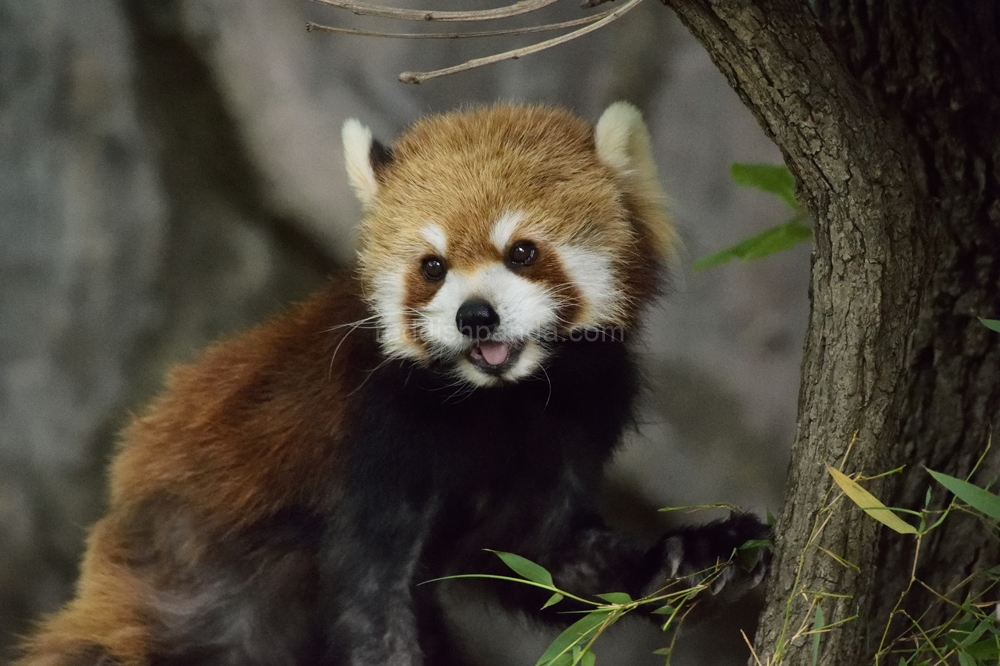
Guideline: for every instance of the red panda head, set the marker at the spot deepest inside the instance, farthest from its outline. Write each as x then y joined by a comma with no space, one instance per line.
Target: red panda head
488,233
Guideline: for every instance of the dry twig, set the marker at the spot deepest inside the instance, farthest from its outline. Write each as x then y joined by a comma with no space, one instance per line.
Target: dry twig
589,23
514,54
310,26
367,9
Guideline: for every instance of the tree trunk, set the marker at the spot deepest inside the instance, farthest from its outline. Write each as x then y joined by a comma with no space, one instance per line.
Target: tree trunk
887,112
933,69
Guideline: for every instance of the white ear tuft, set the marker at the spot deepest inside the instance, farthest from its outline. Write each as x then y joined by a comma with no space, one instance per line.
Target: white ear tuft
622,143
622,139
357,141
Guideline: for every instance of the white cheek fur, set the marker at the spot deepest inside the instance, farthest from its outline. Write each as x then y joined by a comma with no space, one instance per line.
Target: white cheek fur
594,276
387,302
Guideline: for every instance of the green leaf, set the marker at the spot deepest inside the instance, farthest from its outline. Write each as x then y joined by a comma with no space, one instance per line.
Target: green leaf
665,609
776,239
748,554
966,659
993,573
983,501
615,598
869,504
756,543
976,633
588,658
769,518
773,178
574,634
817,626
525,567
985,650
553,600
663,652
992,324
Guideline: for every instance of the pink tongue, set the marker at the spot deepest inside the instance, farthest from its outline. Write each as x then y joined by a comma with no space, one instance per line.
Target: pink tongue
495,353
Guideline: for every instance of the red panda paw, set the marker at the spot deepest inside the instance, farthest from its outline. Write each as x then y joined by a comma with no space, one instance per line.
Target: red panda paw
727,557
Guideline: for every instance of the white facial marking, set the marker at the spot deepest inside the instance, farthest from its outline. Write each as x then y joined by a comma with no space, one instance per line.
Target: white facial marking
504,228
387,302
436,237
593,275
531,358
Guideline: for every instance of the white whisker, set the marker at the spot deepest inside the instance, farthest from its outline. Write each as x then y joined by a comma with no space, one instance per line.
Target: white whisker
549,396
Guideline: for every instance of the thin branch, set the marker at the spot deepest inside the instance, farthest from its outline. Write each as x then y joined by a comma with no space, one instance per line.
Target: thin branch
366,9
310,26
514,54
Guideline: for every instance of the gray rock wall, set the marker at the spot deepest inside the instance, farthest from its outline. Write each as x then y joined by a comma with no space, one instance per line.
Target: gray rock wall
170,172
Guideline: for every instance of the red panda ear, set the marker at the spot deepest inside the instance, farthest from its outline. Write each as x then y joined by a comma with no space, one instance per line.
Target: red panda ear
366,160
622,143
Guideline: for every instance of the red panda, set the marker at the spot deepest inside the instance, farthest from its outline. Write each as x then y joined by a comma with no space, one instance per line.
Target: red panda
462,390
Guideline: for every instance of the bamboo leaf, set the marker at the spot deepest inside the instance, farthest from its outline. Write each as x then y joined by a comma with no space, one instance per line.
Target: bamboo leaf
817,627
572,635
985,650
981,500
992,324
525,567
976,633
775,239
773,178
553,600
615,598
869,504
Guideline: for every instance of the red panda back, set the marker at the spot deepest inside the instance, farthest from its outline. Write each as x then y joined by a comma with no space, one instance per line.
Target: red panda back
255,424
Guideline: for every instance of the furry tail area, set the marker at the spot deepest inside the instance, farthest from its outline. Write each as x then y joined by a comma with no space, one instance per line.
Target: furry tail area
102,626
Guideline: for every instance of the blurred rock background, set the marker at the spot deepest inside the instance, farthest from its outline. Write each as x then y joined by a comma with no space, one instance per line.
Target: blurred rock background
170,172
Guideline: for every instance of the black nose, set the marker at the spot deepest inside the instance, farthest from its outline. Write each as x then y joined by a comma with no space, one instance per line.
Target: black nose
476,318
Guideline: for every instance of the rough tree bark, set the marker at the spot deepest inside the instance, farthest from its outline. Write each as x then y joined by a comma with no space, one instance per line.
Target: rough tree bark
888,113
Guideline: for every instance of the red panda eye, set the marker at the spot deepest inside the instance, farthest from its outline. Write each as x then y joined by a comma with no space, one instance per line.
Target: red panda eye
522,253
433,268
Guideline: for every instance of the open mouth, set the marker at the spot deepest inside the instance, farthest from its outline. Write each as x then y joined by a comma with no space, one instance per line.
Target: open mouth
494,356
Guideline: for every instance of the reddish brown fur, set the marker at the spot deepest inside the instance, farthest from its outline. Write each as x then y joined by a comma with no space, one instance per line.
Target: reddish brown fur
419,291
240,435
284,419
548,271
